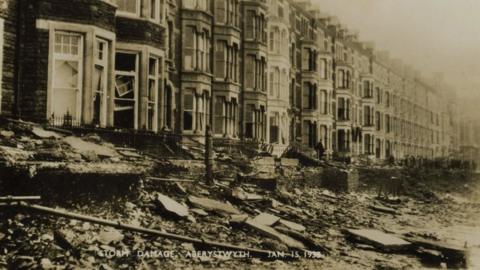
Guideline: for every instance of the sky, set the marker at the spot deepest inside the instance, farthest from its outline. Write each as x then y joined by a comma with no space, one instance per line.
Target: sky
431,35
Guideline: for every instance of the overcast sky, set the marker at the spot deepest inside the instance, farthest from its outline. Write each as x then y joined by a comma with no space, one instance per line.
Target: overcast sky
431,35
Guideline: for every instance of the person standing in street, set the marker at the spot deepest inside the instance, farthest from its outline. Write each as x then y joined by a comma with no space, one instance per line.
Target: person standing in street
320,150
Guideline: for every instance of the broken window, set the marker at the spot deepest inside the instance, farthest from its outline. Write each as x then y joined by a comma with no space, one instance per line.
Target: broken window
188,109
100,82
126,85
67,76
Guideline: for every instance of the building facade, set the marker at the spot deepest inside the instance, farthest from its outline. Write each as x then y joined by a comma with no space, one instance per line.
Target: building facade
272,72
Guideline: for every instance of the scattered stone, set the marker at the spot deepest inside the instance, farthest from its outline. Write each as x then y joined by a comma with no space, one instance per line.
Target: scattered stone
240,194
179,188
455,256
67,240
381,240
238,219
82,146
7,134
110,235
45,134
384,209
169,205
129,154
212,205
266,230
292,225
199,212
46,264
266,219
44,237
290,162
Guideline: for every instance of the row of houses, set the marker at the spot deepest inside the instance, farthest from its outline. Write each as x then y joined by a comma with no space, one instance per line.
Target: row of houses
260,71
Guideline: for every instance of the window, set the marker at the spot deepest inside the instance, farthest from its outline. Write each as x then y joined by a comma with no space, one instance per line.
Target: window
274,127
220,11
306,96
129,6
154,79
189,54
100,82
188,109
275,82
341,109
341,78
250,25
324,101
378,95
387,123
197,50
379,120
323,69
196,4
249,120
219,115
126,89
220,64
157,10
306,59
67,75
250,71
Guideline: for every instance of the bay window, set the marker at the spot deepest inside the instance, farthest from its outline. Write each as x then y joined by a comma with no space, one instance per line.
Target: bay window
67,75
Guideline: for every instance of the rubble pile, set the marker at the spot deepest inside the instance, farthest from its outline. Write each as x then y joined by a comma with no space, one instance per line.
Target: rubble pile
274,210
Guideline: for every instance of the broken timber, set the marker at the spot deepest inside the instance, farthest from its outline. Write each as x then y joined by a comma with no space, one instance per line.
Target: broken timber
159,179
119,225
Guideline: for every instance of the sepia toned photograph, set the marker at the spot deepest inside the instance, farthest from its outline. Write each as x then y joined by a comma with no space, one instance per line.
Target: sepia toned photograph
239,134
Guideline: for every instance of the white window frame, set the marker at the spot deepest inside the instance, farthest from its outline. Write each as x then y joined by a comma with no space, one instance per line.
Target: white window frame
136,76
65,57
158,78
105,64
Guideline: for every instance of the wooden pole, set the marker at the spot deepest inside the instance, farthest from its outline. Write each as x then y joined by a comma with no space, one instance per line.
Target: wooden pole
208,155
119,225
19,198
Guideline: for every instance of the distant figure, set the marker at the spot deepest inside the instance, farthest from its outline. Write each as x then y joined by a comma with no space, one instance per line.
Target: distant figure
320,150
